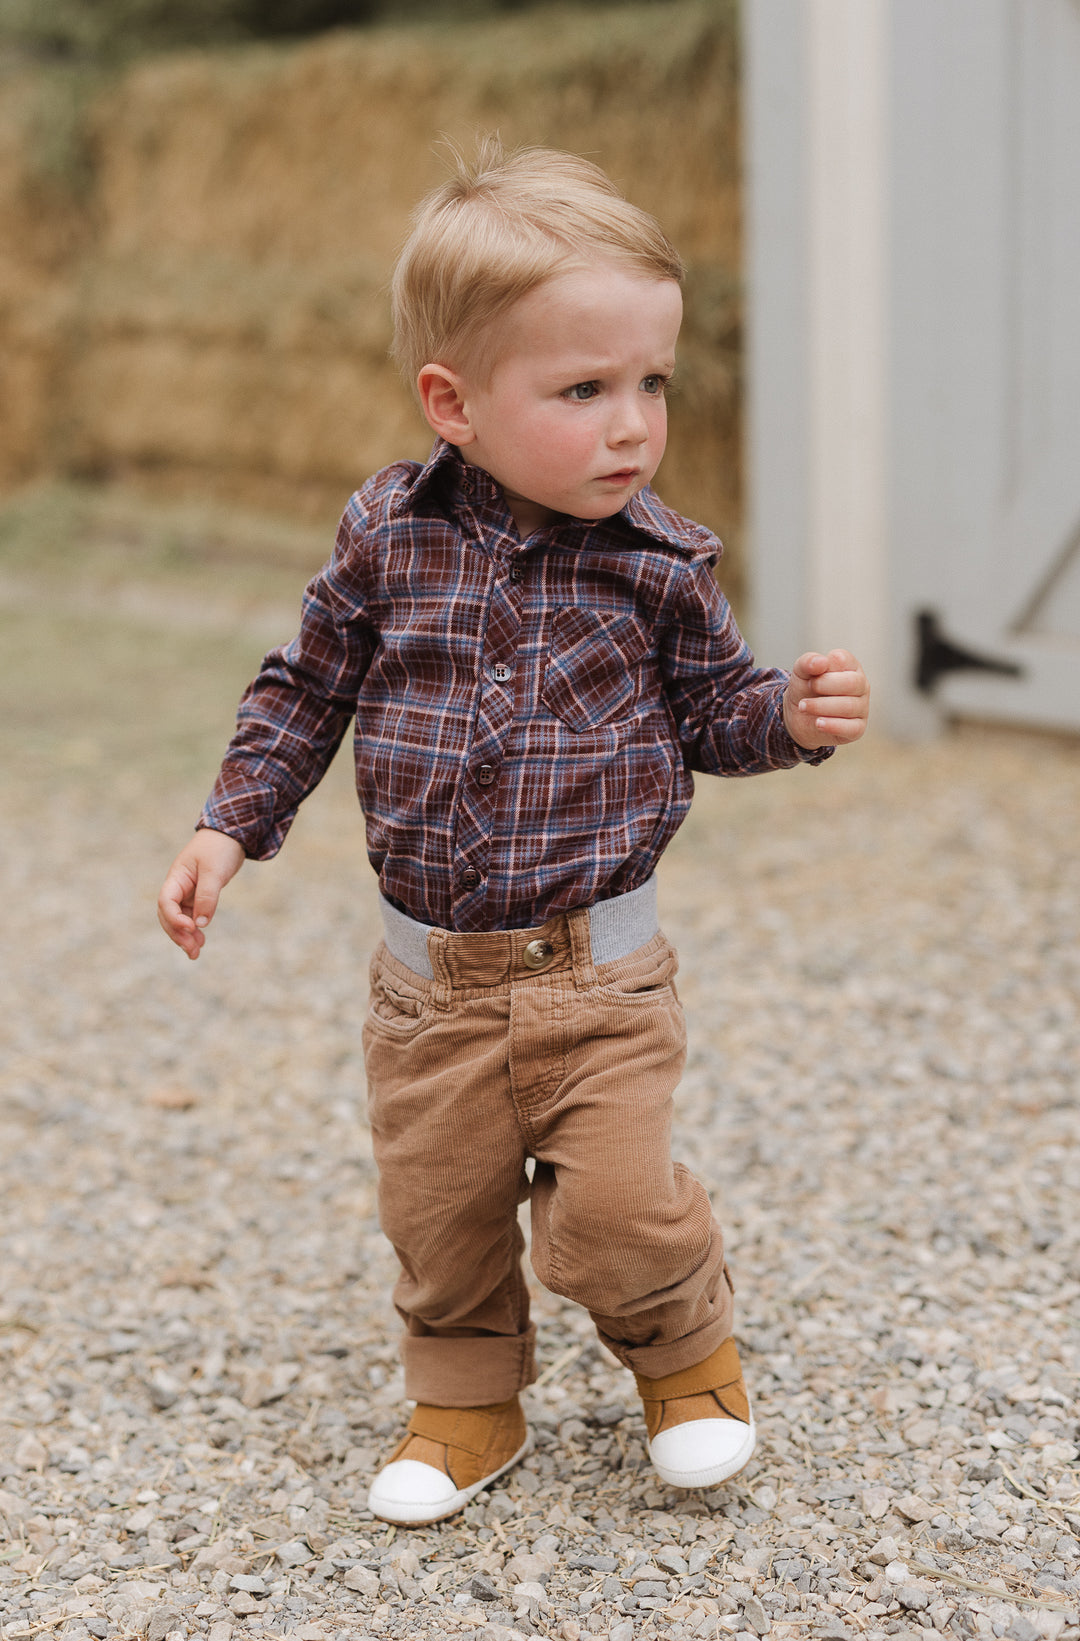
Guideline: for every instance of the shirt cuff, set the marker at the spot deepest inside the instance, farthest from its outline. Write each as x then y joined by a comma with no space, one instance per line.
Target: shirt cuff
811,754
247,816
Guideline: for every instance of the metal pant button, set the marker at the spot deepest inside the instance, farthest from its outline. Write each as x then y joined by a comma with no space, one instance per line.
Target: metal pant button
537,953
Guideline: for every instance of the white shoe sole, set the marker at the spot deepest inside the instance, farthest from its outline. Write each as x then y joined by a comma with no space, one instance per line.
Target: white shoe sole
404,1512
707,1475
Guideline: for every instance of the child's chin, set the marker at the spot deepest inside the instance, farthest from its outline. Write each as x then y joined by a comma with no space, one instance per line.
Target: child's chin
607,506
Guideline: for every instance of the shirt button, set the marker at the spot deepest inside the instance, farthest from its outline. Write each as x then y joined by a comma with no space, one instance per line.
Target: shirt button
486,774
537,954
501,672
470,878
517,572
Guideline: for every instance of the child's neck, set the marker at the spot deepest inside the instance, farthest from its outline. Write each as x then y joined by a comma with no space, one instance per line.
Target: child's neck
528,515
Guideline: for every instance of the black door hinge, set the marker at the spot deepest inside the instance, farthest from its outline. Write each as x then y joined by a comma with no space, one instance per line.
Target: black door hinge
935,654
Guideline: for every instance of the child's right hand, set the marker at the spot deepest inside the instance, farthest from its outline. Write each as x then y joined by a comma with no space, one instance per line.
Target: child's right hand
189,895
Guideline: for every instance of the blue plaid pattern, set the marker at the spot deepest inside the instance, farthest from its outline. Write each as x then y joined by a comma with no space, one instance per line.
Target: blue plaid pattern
527,714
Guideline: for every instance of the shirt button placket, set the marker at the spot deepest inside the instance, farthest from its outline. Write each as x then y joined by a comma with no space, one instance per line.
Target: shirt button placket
494,721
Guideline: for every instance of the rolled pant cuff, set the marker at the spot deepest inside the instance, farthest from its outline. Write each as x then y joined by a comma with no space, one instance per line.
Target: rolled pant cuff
656,1361
469,1372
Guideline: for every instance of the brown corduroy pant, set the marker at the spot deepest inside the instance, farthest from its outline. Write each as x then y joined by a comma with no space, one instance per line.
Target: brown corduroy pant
488,1064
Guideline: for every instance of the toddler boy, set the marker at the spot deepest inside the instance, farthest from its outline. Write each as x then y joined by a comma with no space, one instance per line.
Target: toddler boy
536,656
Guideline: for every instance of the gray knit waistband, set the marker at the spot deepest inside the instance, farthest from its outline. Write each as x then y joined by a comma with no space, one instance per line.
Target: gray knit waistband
616,928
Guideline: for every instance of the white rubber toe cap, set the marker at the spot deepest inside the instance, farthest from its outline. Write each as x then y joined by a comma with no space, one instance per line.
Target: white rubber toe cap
702,1452
409,1491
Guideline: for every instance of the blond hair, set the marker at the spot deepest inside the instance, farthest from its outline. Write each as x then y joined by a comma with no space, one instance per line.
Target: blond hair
499,227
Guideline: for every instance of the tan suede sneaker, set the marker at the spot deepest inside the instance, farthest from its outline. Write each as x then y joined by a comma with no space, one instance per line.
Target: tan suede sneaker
448,1455
701,1429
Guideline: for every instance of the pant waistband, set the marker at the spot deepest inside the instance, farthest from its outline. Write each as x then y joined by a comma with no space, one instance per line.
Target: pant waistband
616,928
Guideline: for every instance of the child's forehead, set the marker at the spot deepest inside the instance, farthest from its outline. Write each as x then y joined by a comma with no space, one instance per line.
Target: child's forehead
598,309
597,286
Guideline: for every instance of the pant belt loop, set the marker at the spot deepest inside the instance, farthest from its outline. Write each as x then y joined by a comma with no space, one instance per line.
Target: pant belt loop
577,923
442,992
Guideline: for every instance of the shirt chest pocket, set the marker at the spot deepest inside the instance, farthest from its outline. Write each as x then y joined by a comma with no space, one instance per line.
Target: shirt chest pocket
593,671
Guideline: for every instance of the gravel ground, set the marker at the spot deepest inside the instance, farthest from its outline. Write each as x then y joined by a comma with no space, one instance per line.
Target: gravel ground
199,1372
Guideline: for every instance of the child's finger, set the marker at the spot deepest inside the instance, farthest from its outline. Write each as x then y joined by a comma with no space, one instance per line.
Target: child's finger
175,921
207,893
810,666
839,683
835,706
841,729
172,913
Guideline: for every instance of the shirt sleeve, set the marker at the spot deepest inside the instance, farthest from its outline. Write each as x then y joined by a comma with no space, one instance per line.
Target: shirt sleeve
729,713
293,715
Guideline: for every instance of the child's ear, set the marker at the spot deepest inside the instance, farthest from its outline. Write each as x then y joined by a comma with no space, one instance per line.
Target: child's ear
442,397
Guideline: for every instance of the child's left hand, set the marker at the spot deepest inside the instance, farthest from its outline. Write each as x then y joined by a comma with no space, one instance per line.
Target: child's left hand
827,700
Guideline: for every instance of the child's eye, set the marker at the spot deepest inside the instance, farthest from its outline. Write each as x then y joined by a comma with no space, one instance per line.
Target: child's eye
654,384
582,391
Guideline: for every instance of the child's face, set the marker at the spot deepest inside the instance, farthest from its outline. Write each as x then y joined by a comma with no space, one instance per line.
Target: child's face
573,418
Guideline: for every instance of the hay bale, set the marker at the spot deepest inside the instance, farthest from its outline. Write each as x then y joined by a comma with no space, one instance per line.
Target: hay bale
213,317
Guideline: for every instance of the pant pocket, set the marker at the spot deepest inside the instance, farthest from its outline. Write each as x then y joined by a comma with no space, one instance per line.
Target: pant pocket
641,977
395,1007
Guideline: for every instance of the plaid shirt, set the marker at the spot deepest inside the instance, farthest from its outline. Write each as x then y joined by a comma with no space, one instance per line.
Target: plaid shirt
528,713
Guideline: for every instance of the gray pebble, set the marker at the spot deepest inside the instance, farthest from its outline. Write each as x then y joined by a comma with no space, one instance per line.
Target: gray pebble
757,1619
912,1598
501,1507
249,1582
162,1622
294,1554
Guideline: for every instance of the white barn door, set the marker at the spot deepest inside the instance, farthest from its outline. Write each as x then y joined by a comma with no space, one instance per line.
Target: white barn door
914,292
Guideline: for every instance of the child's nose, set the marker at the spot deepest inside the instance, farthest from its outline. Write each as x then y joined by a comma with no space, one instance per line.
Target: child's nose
629,425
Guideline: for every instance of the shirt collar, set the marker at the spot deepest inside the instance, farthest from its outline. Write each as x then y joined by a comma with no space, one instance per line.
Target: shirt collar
646,512
447,475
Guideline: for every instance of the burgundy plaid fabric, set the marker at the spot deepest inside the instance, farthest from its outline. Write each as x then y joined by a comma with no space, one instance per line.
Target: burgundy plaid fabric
528,714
